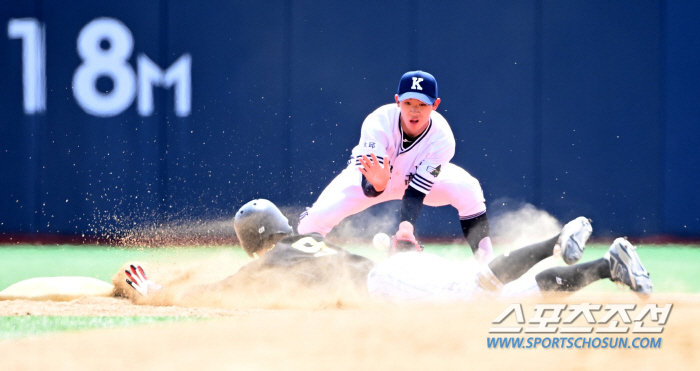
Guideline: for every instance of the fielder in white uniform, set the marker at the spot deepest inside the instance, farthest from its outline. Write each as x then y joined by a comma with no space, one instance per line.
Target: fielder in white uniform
404,154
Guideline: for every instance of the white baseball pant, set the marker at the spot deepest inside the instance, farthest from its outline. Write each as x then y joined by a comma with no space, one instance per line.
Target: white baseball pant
344,197
423,277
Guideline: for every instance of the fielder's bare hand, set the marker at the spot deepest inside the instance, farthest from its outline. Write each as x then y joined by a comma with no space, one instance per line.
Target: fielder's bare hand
140,282
376,174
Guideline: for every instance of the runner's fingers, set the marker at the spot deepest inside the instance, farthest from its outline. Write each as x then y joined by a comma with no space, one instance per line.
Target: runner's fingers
143,273
128,274
137,274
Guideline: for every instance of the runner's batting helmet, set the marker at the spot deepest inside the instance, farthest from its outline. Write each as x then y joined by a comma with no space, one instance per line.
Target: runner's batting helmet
256,222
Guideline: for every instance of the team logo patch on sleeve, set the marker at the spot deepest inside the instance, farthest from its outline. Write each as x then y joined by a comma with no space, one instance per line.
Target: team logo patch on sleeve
434,171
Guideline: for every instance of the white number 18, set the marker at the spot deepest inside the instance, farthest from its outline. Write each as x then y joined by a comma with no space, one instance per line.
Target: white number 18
104,46
33,35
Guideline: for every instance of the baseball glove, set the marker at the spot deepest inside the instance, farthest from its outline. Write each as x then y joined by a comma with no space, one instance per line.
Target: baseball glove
403,245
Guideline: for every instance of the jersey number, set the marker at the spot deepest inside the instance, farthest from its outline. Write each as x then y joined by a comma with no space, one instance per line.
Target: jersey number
311,246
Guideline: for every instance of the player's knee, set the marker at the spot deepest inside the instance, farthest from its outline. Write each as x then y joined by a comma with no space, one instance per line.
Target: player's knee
312,224
460,177
471,187
467,196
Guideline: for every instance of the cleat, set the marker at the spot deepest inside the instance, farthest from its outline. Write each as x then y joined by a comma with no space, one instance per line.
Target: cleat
627,268
572,239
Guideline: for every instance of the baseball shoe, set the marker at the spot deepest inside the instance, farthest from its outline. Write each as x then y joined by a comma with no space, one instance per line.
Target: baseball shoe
627,268
572,239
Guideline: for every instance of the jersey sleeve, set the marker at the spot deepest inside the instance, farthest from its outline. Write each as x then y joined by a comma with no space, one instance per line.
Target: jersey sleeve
374,138
429,168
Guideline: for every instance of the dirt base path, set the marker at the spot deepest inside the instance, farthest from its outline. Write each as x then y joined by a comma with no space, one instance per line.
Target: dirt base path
444,337
100,306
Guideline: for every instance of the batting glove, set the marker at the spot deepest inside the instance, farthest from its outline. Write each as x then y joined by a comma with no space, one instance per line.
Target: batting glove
140,282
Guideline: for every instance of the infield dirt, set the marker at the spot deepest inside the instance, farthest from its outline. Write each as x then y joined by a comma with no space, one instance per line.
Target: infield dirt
416,337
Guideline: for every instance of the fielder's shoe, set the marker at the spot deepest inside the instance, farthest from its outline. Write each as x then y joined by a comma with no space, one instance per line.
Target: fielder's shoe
625,267
572,239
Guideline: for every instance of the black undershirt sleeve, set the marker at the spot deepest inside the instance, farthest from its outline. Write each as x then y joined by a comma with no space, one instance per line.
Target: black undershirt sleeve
368,188
411,205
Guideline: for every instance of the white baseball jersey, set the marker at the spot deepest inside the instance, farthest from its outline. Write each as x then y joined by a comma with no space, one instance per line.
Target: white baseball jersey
418,165
424,165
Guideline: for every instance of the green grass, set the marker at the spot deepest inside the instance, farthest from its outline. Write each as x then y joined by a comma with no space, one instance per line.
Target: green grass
672,269
20,262
15,327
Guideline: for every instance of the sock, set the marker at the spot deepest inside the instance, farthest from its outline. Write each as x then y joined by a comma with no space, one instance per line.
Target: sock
573,277
510,266
475,230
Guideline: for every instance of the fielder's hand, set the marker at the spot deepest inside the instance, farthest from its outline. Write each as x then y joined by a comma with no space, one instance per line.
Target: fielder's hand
376,174
140,282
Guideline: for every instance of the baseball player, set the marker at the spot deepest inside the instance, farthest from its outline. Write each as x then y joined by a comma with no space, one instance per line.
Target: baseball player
411,275
310,261
404,154
283,262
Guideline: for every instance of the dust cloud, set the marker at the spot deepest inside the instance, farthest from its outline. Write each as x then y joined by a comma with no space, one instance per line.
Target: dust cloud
361,227
207,283
523,226
203,283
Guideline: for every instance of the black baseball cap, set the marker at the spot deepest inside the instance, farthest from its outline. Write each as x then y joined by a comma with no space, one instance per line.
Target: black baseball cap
419,85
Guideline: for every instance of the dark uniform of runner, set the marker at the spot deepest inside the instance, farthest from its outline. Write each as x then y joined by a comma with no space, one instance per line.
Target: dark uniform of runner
287,267
305,261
